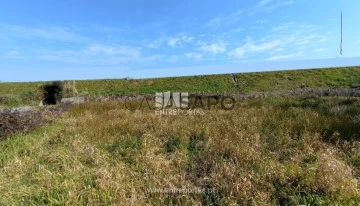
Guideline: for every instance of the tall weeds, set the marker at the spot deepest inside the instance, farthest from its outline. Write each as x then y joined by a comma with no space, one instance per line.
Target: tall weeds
265,152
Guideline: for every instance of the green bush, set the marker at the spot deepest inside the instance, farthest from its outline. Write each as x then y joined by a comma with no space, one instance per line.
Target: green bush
51,92
9,100
172,144
27,95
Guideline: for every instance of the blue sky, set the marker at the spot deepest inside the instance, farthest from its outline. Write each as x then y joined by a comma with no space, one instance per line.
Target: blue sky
92,39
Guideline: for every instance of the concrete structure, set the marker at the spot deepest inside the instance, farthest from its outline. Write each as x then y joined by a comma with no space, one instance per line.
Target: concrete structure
73,100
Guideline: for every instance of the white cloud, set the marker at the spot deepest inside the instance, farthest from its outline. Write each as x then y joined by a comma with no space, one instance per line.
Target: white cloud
186,38
283,27
47,33
215,48
194,56
225,19
152,58
173,42
179,40
284,41
280,3
106,50
13,54
250,47
155,44
282,57
264,2
321,49
276,50
309,40
270,5
95,54
298,38
173,59
264,46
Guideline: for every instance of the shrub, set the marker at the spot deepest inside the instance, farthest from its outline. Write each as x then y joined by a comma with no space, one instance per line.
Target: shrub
9,100
172,144
69,89
50,93
40,93
14,122
27,95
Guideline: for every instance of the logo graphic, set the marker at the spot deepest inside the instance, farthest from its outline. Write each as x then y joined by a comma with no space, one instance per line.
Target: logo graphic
167,99
179,103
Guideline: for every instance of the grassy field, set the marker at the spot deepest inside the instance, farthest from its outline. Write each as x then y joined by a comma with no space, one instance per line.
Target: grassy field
301,150
22,93
273,151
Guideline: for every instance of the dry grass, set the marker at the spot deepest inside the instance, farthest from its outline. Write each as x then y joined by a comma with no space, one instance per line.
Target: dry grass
69,89
12,123
273,151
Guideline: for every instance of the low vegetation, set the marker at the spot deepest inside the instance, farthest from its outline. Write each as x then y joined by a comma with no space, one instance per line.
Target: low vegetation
69,89
48,93
274,151
245,83
289,150
13,122
20,121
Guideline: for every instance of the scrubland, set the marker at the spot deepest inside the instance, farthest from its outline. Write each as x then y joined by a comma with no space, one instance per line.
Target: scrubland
273,151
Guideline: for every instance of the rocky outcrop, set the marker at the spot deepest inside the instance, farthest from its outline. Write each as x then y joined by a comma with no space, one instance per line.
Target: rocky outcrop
17,110
73,100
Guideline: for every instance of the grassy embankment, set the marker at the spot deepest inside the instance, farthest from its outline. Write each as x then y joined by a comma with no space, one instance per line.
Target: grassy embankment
14,94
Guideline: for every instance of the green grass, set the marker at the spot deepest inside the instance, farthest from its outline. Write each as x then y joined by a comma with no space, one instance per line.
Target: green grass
273,81
274,151
248,82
